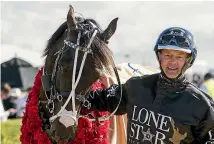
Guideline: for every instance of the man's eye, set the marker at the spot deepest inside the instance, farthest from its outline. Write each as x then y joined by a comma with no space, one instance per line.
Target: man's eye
179,57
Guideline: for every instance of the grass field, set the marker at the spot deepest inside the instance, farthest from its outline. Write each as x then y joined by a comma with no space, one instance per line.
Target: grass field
10,131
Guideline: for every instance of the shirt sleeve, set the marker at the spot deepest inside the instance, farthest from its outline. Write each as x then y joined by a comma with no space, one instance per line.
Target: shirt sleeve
205,130
108,99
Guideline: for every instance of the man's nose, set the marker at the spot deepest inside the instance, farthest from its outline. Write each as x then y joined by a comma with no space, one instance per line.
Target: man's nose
173,59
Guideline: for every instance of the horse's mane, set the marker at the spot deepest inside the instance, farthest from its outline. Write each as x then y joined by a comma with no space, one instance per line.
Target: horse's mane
102,54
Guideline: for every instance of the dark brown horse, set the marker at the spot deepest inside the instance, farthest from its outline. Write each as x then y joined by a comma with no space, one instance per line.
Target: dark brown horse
86,37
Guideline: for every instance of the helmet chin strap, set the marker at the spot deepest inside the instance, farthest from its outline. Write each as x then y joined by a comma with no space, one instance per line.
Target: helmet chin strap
184,68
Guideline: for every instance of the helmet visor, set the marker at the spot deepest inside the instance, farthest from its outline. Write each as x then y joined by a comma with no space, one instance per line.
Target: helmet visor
175,42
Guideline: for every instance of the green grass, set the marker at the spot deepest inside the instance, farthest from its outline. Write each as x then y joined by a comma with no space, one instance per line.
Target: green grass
10,131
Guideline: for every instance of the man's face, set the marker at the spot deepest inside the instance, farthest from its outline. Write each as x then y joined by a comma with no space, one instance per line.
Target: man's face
172,61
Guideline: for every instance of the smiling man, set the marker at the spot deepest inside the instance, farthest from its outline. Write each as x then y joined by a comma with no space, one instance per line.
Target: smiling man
163,108
172,62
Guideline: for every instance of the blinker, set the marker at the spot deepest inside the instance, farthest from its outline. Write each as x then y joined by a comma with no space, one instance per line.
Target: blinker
46,82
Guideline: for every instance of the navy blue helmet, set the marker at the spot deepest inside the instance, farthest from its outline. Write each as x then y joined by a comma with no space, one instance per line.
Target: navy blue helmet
177,38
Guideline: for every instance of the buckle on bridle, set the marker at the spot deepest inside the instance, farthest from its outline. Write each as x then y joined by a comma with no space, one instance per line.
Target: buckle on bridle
87,104
59,97
50,106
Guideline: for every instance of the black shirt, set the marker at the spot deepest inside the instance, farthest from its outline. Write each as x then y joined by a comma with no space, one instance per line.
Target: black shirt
159,112
7,104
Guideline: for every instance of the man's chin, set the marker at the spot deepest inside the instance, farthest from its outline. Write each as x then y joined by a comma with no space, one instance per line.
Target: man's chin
172,75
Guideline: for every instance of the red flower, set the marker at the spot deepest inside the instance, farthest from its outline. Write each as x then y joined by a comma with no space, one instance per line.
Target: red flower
92,132
31,129
84,123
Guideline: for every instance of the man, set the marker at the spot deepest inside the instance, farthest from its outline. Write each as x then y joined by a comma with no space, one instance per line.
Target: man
208,84
4,114
163,108
9,108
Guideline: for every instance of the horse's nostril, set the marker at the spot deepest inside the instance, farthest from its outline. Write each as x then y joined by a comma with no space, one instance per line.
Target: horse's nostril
53,135
56,138
70,139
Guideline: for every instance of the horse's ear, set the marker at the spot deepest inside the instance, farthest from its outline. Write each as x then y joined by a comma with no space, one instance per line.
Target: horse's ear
110,30
71,18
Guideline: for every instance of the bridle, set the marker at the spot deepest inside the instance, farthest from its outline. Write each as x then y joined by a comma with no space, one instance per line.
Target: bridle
48,81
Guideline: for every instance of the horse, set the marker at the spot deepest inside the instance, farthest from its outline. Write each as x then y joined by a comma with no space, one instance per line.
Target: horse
76,35
77,55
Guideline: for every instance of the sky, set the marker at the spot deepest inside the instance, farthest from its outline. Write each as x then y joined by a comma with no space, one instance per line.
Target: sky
26,27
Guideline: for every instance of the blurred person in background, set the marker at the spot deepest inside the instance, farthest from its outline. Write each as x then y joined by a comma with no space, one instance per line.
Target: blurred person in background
7,85
15,93
196,79
9,107
208,84
21,103
5,114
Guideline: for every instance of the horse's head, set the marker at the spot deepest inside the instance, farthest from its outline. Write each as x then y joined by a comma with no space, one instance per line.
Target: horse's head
75,59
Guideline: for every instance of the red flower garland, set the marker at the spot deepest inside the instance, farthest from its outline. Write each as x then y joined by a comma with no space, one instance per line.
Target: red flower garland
88,132
92,132
31,129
